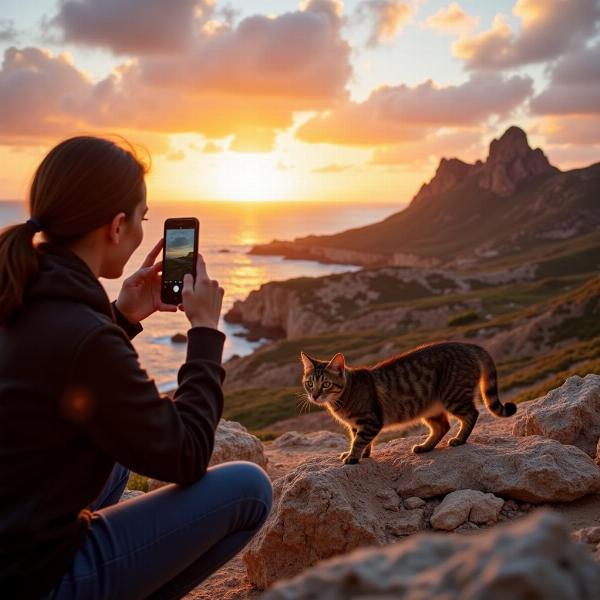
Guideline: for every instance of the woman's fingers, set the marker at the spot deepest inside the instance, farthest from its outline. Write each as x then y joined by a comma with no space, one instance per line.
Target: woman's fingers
151,256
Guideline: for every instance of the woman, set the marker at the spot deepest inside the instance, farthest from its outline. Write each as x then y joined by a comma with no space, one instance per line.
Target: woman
77,411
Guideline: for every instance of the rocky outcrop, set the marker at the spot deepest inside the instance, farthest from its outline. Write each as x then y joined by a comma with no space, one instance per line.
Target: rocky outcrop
511,162
449,173
348,301
232,442
533,558
323,508
466,505
569,414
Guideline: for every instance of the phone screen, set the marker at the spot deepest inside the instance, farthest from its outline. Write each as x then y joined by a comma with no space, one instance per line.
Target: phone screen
179,254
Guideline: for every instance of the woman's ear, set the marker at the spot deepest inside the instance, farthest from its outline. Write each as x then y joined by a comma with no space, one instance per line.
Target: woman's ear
116,227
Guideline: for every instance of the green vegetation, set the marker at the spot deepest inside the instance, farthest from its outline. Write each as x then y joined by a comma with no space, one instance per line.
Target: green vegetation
469,316
256,408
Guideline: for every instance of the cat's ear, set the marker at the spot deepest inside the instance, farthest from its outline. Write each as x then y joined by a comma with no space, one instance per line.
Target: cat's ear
307,361
337,363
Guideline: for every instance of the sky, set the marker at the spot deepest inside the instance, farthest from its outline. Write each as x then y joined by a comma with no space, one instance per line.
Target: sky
285,100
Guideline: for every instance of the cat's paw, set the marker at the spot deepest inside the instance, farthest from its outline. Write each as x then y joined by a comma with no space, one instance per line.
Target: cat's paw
343,455
420,448
455,442
350,461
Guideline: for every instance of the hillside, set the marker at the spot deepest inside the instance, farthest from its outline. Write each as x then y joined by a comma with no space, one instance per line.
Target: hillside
471,214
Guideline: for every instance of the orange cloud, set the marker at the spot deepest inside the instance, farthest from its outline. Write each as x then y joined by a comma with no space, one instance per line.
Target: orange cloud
394,114
452,18
549,28
332,168
245,82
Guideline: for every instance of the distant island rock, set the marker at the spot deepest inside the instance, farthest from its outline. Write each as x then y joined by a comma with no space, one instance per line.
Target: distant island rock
179,338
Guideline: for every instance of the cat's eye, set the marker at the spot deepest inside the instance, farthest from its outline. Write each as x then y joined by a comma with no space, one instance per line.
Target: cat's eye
309,383
326,385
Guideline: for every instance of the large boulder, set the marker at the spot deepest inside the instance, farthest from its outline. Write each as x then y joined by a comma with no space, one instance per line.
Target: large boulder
323,508
232,442
531,559
530,469
466,505
569,414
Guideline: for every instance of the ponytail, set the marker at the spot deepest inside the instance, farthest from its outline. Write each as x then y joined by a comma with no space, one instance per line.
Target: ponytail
19,260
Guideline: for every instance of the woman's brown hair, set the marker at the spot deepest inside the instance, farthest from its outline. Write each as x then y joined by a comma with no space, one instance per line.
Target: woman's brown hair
80,185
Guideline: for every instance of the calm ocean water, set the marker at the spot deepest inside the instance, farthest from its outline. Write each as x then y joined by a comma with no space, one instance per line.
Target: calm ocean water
234,227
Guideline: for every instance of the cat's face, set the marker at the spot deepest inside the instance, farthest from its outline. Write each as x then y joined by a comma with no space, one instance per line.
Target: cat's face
323,381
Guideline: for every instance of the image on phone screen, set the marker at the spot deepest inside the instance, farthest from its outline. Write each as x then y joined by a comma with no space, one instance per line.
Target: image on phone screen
179,254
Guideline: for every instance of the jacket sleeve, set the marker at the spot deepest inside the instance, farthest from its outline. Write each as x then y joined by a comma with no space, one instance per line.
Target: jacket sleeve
131,329
112,401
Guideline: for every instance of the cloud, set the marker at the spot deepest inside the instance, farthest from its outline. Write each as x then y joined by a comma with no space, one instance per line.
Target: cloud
332,168
464,144
246,82
176,155
452,18
574,86
575,130
211,148
548,29
283,166
8,33
401,113
129,26
386,18
37,92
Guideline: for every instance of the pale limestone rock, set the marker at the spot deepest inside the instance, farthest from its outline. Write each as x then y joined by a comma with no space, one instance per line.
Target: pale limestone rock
232,442
466,505
323,508
531,559
569,414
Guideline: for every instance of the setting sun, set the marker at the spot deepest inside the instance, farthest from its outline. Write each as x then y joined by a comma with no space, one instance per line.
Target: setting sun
249,177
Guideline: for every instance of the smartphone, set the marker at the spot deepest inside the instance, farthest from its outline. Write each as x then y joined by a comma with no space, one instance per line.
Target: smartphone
180,251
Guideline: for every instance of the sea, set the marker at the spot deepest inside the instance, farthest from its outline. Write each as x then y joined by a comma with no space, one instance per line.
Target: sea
227,232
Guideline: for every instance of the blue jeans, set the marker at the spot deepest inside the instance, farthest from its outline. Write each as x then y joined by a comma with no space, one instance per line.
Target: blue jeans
164,543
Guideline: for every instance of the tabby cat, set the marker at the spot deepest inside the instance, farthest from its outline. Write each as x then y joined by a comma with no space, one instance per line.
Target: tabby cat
428,383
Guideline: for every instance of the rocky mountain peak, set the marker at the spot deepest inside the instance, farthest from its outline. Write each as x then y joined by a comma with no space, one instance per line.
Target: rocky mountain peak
510,162
450,172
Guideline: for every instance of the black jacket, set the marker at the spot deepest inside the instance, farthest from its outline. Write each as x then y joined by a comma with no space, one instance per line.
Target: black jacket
73,401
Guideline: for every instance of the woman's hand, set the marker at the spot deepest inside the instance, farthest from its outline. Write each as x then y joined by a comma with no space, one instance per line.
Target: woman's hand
203,298
140,294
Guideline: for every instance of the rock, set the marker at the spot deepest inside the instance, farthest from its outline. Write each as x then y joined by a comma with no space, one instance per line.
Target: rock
414,502
569,414
127,494
322,508
232,442
466,505
449,173
179,338
587,535
531,559
598,452
407,522
311,439
530,469
511,162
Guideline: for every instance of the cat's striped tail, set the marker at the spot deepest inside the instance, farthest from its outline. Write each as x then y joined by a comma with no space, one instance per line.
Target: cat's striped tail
489,387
